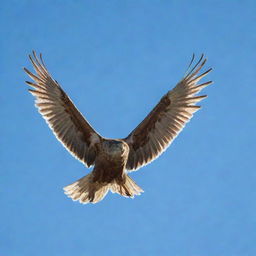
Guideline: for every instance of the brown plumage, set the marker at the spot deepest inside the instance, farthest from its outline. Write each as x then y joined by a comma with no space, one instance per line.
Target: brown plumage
112,158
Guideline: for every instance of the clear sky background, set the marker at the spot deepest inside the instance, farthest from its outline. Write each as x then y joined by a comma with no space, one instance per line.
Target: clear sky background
116,59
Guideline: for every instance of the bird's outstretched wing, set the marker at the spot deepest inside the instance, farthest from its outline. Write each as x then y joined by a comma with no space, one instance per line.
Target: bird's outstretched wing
156,132
66,122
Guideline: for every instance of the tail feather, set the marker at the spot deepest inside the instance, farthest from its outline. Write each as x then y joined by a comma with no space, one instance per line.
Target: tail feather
87,191
128,189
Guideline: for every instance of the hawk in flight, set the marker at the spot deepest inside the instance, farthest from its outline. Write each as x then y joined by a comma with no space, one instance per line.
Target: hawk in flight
114,158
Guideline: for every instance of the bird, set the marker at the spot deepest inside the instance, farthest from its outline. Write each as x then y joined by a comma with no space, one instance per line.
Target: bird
113,159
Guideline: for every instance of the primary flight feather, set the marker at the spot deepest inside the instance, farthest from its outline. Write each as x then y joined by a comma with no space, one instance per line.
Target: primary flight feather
113,158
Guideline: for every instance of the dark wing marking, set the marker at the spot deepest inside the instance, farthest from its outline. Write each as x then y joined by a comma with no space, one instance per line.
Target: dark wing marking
66,122
156,132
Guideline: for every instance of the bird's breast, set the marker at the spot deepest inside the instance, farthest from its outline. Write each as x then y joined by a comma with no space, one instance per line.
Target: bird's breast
110,164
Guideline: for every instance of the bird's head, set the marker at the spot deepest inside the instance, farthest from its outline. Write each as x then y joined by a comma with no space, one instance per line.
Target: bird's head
115,146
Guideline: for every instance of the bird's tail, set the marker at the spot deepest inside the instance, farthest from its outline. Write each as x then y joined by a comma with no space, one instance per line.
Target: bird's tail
127,187
87,191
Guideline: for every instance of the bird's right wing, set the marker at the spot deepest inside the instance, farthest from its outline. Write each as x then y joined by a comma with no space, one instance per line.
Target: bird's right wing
66,122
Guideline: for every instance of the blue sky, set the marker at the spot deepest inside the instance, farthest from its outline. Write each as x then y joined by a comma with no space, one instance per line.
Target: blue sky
116,59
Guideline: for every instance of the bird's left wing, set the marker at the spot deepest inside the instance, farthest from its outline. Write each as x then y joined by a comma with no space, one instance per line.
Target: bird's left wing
156,132
66,122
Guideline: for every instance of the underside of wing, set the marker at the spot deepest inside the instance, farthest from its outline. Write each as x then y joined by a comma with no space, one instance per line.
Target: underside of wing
66,122
156,132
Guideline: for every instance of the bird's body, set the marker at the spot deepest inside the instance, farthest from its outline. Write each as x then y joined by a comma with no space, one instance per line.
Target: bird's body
113,158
